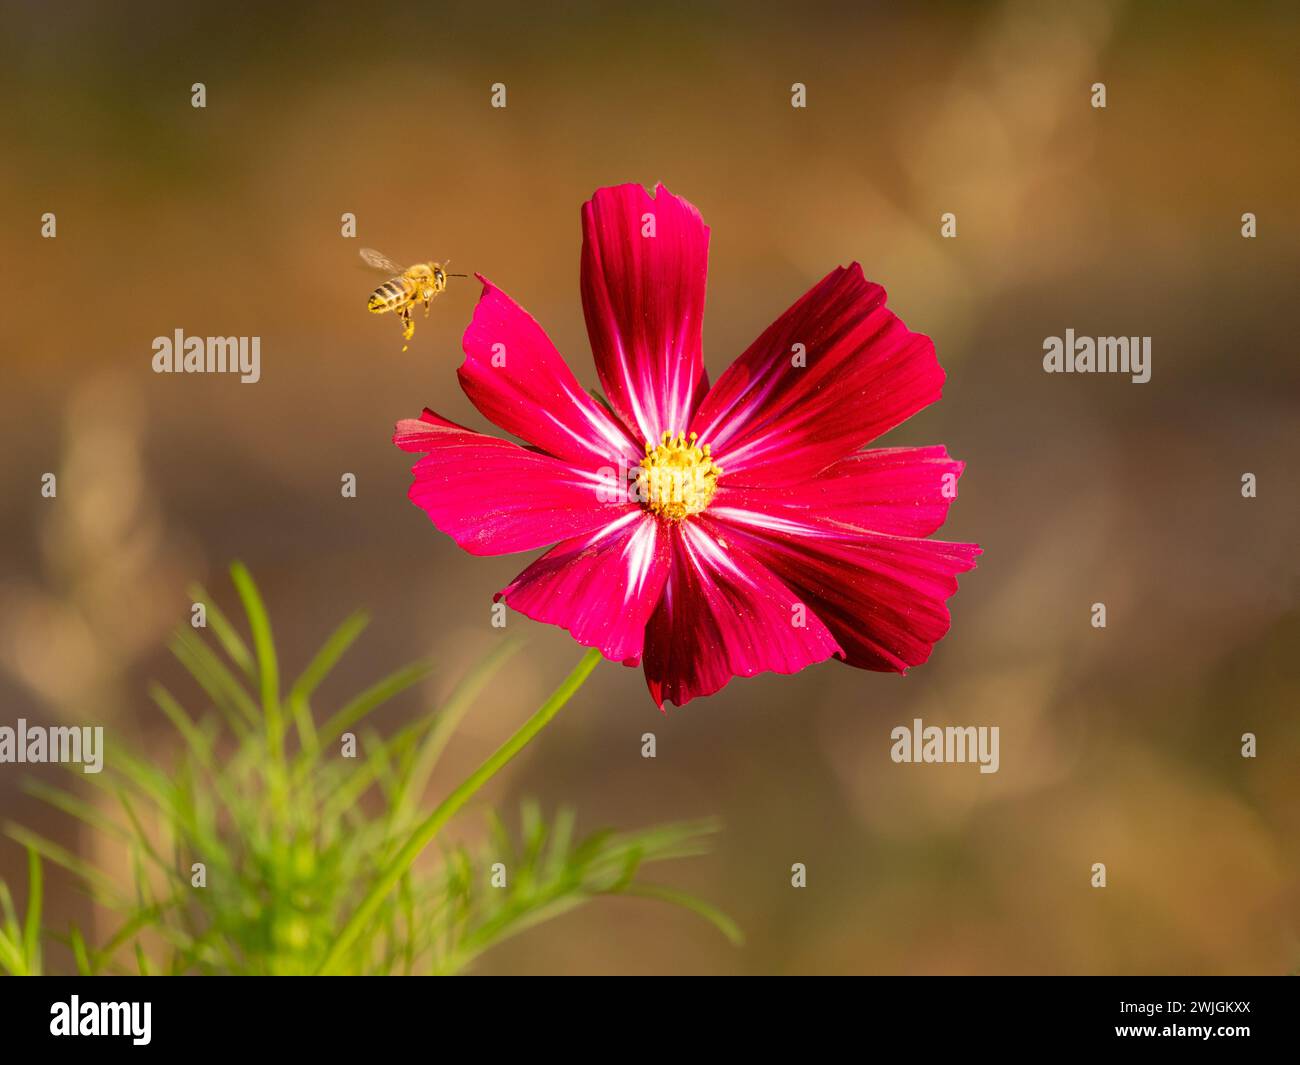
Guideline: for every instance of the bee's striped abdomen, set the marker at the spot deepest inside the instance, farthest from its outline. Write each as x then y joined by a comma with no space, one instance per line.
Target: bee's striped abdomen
389,296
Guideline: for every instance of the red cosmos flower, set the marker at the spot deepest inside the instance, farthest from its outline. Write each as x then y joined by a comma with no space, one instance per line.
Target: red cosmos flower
705,532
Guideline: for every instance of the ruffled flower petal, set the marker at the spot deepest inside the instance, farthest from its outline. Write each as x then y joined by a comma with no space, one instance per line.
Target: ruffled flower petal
830,375
602,587
883,598
494,497
723,614
904,491
644,265
514,375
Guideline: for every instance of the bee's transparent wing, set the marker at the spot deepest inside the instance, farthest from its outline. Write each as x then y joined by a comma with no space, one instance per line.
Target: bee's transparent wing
381,262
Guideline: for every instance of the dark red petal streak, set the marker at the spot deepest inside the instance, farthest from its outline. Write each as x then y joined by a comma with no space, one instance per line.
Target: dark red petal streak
514,375
770,421
643,297
494,497
602,587
889,490
723,614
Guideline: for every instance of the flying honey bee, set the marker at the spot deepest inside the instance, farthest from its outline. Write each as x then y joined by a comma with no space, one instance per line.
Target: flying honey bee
407,286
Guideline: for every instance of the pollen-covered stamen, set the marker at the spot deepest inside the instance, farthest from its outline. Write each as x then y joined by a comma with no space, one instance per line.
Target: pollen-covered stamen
677,478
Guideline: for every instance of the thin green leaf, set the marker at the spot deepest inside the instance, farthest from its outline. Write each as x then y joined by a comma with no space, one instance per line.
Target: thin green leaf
83,811
223,687
329,654
11,957
10,914
267,665
699,907
35,894
317,670
199,744
64,858
80,955
227,636
369,700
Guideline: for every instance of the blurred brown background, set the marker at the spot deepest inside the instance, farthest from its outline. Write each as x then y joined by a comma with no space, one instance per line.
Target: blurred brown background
1119,745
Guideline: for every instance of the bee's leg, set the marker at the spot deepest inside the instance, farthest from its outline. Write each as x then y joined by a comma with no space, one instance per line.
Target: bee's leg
408,326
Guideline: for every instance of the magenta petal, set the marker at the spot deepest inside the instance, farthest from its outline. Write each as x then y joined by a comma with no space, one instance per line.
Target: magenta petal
494,497
882,597
602,587
723,614
771,420
643,296
514,375
904,491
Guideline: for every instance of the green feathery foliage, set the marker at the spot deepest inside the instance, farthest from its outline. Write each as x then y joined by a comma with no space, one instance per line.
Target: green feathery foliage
312,860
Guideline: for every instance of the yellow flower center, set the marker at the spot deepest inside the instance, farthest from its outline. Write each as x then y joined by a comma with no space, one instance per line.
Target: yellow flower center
677,478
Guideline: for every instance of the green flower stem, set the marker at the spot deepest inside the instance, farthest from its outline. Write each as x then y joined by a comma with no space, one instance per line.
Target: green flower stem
424,833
